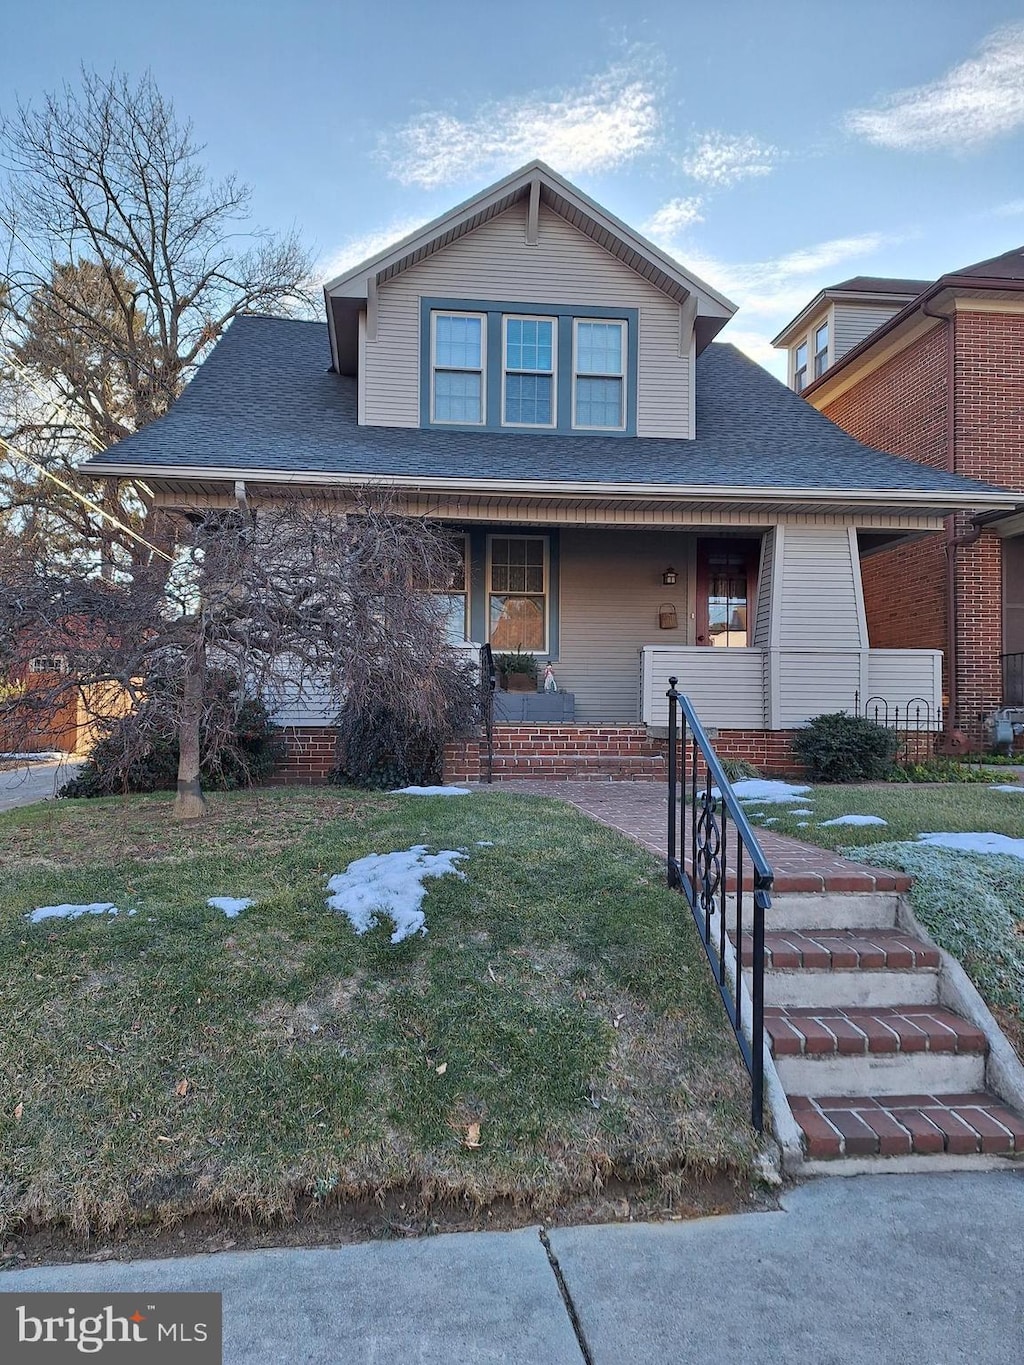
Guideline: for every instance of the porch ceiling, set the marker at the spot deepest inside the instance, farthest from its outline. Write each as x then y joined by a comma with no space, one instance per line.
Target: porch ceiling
583,509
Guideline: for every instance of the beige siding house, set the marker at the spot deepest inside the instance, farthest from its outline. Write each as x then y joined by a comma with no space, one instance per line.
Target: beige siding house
636,500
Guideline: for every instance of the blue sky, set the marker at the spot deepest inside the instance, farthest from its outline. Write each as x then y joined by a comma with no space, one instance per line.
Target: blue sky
772,148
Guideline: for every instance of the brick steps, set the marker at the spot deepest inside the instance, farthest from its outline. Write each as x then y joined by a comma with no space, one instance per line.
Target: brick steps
901,1125
842,949
832,1032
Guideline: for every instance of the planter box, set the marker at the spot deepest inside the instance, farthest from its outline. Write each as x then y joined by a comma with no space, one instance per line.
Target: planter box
544,708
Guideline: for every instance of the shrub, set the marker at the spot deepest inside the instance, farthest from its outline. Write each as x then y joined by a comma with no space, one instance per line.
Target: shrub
842,748
137,755
736,769
380,748
941,770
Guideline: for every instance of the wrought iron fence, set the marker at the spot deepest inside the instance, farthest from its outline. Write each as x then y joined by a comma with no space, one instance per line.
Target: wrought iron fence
710,858
915,723
1013,679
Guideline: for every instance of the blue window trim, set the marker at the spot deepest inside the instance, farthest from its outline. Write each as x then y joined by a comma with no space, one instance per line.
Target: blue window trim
478,623
495,311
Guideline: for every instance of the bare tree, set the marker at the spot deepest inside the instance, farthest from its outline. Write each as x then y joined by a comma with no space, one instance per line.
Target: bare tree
121,263
278,601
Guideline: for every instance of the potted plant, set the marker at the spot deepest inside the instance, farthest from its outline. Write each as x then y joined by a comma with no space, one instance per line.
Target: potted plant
517,672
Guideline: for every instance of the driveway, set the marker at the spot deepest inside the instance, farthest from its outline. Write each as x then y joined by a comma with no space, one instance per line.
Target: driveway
28,782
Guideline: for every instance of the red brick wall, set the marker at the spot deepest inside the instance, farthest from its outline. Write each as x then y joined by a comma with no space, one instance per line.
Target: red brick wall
310,755
902,408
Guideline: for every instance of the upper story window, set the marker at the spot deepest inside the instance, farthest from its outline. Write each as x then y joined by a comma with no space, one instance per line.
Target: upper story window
821,350
800,367
599,380
529,390
524,367
458,345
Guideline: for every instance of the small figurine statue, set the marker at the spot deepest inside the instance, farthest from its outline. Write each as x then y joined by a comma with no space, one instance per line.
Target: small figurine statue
549,679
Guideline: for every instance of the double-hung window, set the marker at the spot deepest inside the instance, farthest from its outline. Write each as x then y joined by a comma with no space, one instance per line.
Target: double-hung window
821,350
800,367
528,393
457,366
599,375
517,593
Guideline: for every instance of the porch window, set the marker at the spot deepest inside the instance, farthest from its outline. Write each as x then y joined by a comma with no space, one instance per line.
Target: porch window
821,350
457,368
800,367
455,599
528,391
599,382
517,593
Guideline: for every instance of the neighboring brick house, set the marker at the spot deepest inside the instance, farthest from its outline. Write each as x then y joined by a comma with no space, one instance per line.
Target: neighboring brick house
633,500
934,372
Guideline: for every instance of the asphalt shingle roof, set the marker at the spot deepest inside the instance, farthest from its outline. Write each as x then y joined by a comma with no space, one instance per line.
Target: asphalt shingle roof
264,399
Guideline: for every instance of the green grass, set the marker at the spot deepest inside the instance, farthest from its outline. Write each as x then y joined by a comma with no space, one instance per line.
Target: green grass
908,809
560,1000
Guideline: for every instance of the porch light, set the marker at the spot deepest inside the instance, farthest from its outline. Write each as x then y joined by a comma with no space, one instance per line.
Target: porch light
669,577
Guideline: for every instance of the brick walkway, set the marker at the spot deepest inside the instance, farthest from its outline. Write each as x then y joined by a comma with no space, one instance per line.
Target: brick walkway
638,809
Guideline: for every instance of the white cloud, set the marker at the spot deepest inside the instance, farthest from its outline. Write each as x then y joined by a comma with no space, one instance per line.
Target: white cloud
720,159
601,124
673,218
981,99
358,249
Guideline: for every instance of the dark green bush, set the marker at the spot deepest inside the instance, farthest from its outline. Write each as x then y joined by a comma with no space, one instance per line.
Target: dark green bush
380,748
842,748
138,753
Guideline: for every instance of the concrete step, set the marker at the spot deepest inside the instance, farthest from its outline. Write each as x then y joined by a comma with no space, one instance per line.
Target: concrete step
832,910
959,1124
881,1050
846,967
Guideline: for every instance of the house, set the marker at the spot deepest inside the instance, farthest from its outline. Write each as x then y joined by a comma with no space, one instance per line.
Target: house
934,371
635,499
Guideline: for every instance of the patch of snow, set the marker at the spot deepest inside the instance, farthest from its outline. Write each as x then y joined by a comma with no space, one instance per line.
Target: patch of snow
231,905
854,820
390,884
794,811
39,757
802,824
72,911
772,820
485,843
430,791
1009,787
975,843
769,790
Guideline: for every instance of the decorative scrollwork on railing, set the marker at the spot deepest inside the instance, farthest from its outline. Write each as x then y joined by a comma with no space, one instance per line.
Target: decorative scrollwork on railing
707,868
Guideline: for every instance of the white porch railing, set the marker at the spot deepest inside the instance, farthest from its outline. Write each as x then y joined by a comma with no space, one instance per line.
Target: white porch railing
781,689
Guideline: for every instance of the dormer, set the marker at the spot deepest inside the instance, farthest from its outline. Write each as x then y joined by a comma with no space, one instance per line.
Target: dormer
837,320
529,309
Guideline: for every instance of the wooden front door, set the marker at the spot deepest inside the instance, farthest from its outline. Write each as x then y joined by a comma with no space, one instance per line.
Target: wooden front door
727,591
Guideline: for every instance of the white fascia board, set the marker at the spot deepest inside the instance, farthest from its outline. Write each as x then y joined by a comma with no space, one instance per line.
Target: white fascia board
994,501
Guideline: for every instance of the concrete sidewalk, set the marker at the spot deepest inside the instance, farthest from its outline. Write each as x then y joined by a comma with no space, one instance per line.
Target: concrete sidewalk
880,1270
30,782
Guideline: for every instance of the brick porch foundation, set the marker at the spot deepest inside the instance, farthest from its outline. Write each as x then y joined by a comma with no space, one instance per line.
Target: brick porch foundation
309,755
603,753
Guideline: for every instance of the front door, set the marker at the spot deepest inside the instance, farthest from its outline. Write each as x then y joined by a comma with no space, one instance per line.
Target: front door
726,591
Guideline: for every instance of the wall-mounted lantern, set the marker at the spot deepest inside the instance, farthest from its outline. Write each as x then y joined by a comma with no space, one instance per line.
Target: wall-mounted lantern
669,577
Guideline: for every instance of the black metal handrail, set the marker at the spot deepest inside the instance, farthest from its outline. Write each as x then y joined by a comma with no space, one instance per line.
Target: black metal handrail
698,865
488,682
1013,679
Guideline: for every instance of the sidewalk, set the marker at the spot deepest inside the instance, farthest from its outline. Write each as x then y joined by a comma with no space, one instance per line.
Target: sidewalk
879,1270
639,810
28,782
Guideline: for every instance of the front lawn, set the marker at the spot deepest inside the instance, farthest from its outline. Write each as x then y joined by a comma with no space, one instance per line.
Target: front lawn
908,809
555,1029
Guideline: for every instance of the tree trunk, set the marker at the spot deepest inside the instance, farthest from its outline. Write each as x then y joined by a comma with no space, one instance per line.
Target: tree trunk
190,804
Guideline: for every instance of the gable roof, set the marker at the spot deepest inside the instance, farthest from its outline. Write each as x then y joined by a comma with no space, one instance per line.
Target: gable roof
857,289
264,406
1008,266
535,183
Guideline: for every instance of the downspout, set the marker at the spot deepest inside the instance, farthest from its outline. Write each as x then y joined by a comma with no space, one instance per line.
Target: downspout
953,542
